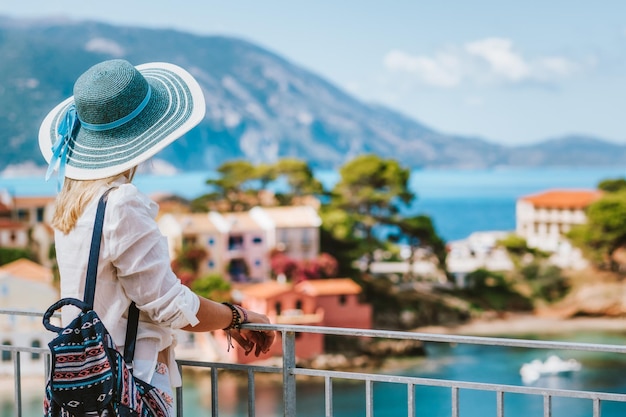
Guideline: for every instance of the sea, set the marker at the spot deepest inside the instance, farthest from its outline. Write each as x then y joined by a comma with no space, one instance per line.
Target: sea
600,372
460,202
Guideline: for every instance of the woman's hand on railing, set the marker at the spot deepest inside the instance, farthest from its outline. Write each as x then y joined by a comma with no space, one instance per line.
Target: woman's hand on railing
258,340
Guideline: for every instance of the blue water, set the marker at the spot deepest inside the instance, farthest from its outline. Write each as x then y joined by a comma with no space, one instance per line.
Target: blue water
474,363
459,201
483,364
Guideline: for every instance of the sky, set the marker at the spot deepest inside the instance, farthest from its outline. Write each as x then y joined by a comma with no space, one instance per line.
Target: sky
511,72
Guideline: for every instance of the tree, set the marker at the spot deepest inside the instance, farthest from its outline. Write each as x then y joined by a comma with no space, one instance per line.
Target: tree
186,266
515,244
605,230
371,191
8,255
234,185
213,287
612,185
265,174
299,179
324,266
491,290
546,281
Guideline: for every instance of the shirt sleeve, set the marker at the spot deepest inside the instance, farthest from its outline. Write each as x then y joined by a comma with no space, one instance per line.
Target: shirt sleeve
139,252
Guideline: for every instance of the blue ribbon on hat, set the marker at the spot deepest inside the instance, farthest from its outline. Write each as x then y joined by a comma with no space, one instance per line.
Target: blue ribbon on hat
121,121
66,132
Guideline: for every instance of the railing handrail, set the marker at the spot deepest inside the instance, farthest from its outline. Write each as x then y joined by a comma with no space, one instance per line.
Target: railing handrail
407,335
290,371
442,338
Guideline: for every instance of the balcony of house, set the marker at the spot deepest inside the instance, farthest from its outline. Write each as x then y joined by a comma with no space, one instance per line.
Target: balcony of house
376,391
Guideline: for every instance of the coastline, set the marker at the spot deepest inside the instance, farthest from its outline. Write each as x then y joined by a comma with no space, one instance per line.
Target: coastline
522,324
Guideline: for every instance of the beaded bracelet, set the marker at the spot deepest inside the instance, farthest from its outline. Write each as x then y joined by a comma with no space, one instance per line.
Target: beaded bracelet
236,320
245,315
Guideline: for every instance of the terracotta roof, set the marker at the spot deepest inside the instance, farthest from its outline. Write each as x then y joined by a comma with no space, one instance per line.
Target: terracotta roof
26,269
265,289
12,224
32,202
335,286
293,216
572,199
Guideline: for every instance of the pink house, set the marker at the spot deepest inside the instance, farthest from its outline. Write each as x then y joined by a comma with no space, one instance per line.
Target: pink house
321,302
339,299
246,246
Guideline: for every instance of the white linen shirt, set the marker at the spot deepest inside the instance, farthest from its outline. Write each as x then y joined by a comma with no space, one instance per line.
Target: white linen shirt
134,265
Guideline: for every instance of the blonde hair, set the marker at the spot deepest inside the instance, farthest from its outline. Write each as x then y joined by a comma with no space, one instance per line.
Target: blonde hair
75,195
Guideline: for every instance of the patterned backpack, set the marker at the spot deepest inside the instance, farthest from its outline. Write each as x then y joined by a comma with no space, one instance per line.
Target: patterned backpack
88,376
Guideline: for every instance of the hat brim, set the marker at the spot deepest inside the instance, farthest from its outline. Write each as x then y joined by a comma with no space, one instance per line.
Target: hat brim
176,105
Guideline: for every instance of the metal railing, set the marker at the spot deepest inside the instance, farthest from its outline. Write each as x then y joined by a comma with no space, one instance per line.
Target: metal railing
290,372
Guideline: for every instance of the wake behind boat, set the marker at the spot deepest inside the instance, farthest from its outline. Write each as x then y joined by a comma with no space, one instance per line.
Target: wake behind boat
554,365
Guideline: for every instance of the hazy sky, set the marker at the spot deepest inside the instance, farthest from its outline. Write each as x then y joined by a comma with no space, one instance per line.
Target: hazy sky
512,72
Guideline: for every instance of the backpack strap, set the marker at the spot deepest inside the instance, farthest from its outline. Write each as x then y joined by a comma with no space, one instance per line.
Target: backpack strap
94,251
90,281
131,334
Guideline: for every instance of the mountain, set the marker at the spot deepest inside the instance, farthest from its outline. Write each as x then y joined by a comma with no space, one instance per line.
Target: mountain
260,106
572,150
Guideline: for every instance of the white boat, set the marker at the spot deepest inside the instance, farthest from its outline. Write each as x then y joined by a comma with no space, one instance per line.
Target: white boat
554,365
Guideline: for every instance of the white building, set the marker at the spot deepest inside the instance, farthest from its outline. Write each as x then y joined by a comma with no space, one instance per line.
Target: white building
25,285
479,250
543,219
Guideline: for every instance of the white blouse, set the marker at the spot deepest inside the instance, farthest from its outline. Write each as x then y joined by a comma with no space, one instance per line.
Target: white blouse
134,266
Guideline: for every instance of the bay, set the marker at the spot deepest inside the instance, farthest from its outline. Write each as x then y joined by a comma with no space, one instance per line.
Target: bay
459,201
474,363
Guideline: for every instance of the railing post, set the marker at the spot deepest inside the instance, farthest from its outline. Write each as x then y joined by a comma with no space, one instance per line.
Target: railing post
18,381
289,379
179,394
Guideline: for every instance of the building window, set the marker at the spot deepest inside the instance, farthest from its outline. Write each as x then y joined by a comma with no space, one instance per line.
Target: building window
211,264
257,240
298,304
343,299
238,270
211,241
257,262
22,214
35,355
6,354
283,237
235,242
278,307
40,213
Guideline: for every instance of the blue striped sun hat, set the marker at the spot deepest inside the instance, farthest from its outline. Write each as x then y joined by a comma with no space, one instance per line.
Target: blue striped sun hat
118,117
